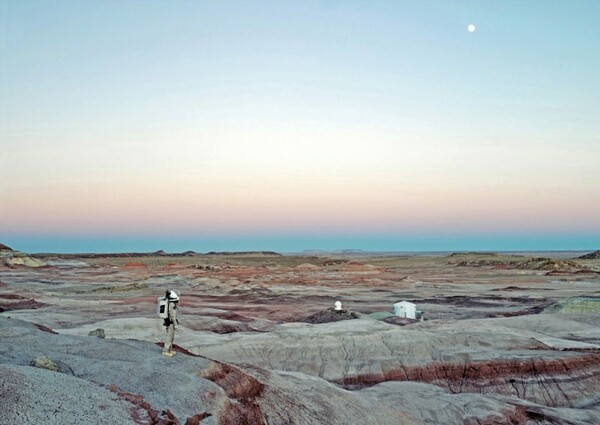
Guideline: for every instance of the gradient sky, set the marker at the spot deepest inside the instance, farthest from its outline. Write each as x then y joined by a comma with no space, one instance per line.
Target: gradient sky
291,125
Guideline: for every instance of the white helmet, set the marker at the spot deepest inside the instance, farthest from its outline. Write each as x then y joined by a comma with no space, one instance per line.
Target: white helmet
174,295
337,305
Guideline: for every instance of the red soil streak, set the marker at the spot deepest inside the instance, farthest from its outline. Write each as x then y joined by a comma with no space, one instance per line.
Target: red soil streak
11,297
242,390
29,304
141,408
499,376
134,265
144,414
44,328
141,300
196,419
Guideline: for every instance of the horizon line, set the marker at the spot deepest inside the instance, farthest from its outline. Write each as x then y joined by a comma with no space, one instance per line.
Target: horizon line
342,251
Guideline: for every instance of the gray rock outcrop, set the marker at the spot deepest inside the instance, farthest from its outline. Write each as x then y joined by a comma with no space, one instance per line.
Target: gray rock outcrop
12,258
591,256
330,315
99,332
128,381
43,362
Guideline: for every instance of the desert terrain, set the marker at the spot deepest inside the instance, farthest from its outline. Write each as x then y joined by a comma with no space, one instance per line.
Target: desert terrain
505,339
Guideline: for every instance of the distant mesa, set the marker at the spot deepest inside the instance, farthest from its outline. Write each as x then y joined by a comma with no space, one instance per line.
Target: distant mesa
591,256
163,253
347,252
159,253
473,253
11,258
247,253
314,251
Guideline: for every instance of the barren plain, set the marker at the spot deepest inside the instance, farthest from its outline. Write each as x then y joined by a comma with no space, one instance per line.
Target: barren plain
506,339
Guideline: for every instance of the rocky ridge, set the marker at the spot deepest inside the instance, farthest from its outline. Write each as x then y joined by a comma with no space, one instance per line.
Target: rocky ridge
127,381
551,265
159,253
591,256
11,258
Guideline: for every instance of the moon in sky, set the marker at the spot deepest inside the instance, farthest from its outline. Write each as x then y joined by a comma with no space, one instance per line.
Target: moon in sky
471,28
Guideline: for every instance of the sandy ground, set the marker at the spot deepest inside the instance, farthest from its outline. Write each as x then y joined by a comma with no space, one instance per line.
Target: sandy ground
262,290
501,325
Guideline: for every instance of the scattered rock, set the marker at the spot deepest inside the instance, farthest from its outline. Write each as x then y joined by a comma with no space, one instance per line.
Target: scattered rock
330,315
44,362
97,333
208,267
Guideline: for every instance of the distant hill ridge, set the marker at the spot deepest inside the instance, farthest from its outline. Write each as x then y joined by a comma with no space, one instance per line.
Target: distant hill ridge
247,253
483,253
160,253
591,256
